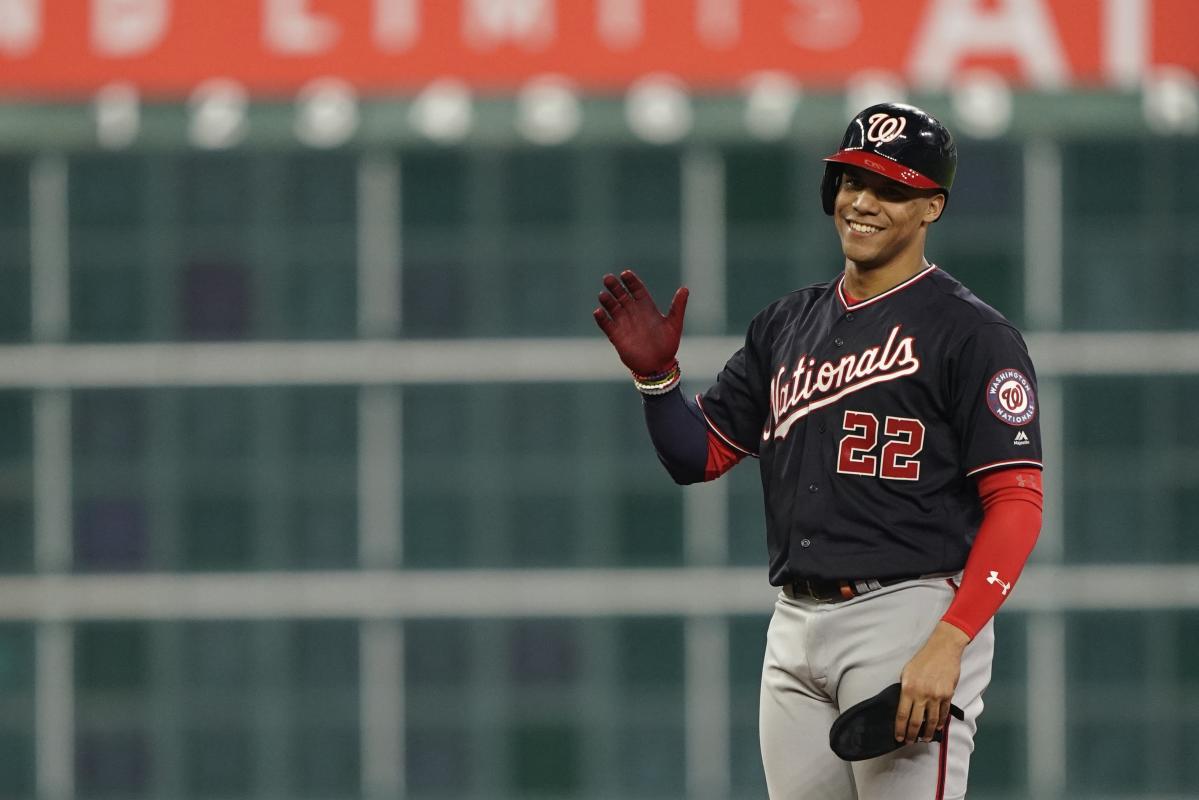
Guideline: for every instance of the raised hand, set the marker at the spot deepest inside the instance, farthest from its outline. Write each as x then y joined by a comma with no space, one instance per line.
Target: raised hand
645,340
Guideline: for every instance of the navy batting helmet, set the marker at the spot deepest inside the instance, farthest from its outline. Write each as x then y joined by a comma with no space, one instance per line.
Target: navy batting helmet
898,141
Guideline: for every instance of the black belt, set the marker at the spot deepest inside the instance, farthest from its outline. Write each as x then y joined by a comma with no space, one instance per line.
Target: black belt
828,590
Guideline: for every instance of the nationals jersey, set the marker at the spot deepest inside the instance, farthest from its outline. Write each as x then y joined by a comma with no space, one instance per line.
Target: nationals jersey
872,420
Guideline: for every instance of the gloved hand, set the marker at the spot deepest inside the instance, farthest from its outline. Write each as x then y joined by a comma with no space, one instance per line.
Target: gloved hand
645,340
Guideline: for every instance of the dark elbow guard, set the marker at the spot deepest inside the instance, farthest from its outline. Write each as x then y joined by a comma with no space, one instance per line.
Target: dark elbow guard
683,476
680,436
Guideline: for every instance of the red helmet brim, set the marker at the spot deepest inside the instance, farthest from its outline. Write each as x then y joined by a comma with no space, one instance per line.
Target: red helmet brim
886,167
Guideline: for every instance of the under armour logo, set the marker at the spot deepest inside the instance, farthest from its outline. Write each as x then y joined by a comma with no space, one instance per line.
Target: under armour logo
1007,587
884,127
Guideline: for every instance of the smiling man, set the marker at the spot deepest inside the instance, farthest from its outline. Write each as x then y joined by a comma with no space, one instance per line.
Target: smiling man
894,416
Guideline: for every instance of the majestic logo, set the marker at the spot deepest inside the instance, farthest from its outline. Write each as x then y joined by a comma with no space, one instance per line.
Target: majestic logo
885,128
1011,398
1021,439
810,386
994,579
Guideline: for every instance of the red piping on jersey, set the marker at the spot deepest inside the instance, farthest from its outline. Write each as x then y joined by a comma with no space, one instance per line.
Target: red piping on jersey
721,457
700,402
877,297
1005,464
944,760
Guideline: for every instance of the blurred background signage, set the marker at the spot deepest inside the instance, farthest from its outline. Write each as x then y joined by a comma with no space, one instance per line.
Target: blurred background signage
166,48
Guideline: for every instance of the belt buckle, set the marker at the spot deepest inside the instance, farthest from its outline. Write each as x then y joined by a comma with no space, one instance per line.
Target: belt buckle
845,590
810,590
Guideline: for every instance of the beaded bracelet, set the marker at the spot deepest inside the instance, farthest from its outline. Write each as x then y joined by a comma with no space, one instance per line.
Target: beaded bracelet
659,383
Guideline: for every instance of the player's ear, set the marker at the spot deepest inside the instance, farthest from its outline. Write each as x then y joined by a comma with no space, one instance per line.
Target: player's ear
936,205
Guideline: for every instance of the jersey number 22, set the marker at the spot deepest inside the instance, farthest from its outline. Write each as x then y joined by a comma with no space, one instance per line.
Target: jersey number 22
897,461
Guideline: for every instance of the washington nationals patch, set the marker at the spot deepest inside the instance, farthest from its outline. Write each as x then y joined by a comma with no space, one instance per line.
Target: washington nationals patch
1011,398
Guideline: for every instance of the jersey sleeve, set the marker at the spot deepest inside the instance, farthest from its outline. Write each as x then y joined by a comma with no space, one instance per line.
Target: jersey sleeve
735,407
994,401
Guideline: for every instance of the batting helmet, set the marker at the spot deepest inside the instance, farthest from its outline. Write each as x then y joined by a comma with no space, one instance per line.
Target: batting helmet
898,141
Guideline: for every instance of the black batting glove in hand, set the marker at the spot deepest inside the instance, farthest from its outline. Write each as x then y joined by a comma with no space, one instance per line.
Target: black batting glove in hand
645,340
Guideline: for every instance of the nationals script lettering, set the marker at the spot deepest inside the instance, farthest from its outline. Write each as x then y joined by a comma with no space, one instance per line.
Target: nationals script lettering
811,385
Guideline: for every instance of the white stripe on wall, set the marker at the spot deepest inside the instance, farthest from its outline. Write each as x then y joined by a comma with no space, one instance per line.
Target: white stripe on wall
707,708
380,476
1043,235
576,593
1046,705
469,361
50,295
703,241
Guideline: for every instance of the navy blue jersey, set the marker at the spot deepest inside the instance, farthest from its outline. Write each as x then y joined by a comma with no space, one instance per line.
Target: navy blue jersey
873,420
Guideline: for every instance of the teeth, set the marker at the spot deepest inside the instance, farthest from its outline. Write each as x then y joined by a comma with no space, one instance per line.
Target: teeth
862,228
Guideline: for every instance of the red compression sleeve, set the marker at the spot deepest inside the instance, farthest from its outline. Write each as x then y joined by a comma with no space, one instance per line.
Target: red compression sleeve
721,457
1011,501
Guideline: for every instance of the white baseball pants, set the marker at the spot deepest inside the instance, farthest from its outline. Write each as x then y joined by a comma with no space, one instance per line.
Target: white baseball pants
825,657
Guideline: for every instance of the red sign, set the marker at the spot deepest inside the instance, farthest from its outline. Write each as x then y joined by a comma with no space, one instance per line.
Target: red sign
70,48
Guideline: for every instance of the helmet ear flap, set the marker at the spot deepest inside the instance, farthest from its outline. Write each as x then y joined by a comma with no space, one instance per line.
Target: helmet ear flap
829,185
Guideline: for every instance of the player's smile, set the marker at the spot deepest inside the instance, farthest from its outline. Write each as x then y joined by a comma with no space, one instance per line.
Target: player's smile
878,219
863,228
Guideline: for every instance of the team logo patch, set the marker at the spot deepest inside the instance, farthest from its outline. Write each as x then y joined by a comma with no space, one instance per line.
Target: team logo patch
885,128
1011,398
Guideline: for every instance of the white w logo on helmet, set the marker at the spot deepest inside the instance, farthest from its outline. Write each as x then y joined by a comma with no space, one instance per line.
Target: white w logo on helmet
884,127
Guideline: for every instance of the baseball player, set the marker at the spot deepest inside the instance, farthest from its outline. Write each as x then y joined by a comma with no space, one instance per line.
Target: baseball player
894,418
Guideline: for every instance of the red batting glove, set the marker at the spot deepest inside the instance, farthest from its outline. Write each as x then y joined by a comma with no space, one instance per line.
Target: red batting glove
645,340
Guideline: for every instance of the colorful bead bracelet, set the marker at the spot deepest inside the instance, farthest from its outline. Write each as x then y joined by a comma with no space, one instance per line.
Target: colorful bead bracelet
659,383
